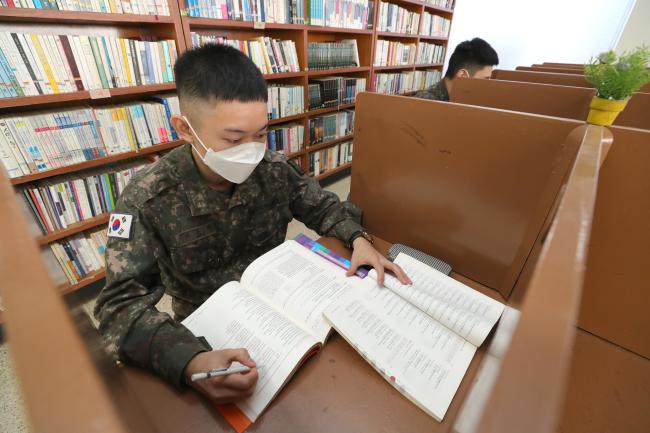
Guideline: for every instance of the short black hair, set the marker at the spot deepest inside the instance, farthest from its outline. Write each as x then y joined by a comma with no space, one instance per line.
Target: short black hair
216,72
471,55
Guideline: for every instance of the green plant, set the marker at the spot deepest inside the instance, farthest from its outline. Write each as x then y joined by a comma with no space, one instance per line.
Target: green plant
617,77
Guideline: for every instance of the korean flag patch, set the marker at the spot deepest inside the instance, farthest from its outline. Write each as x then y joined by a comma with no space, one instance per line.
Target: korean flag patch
119,226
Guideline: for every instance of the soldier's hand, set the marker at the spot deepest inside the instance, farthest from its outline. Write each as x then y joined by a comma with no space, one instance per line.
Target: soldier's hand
365,254
223,389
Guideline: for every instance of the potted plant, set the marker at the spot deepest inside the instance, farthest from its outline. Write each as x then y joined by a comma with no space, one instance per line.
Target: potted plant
615,78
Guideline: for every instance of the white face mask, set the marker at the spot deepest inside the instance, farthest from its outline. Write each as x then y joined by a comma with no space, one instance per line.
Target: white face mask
235,163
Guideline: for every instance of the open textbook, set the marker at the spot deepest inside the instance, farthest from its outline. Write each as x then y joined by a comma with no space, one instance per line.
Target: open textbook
284,307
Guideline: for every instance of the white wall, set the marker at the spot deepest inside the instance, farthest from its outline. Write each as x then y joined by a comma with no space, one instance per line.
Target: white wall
637,29
524,32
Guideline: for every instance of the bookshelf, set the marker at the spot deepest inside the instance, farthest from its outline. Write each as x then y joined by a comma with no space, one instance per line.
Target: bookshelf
58,22
178,27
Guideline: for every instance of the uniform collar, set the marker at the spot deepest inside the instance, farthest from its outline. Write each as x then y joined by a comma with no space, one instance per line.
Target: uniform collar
204,200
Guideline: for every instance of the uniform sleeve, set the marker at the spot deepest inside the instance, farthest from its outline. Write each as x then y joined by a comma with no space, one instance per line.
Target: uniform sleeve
321,210
126,307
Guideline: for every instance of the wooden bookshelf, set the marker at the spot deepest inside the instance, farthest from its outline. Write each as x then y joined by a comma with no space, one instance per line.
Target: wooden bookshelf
96,162
419,7
87,280
83,96
282,75
320,111
321,146
393,68
397,35
333,171
56,16
336,71
73,229
90,23
433,38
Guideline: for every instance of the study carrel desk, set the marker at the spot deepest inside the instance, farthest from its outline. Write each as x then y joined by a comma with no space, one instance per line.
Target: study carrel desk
337,390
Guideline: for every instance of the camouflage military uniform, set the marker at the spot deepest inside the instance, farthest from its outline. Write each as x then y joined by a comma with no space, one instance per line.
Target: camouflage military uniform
437,92
188,239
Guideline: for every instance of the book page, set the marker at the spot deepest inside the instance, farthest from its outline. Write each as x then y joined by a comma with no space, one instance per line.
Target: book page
421,358
234,318
462,309
299,283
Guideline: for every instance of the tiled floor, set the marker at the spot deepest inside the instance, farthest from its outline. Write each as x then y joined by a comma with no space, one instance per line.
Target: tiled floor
12,419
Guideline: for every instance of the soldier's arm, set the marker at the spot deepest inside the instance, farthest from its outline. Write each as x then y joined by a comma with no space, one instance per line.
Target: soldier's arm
321,210
126,308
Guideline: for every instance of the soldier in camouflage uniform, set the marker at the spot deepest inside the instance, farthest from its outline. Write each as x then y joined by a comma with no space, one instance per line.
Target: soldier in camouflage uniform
193,230
470,59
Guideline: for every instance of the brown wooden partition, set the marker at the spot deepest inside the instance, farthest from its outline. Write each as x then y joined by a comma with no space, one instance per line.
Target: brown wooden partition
470,185
542,77
554,70
561,65
617,289
62,390
533,375
546,99
637,112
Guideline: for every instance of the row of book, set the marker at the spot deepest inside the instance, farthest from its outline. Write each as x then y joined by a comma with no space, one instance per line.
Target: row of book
447,4
42,64
349,14
286,139
45,140
141,7
284,101
392,53
272,56
393,18
328,55
56,205
430,53
331,126
333,91
404,82
80,255
267,11
330,158
434,25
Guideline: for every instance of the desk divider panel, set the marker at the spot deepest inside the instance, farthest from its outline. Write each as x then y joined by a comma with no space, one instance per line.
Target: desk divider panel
617,289
546,99
542,77
470,185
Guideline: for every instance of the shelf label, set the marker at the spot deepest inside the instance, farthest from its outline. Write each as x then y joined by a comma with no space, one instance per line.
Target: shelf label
99,93
259,25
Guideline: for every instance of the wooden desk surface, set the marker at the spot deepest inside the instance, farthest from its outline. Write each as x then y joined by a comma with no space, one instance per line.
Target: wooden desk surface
335,391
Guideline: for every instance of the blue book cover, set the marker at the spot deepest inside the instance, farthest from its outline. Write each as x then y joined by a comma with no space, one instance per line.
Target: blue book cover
168,113
104,190
152,74
8,90
112,70
146,123
73,257
169,75
144,63
38,4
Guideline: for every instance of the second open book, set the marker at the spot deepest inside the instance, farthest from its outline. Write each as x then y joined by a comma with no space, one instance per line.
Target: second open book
420,338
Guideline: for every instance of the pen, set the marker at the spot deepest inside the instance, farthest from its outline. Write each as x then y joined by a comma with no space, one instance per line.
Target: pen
217,372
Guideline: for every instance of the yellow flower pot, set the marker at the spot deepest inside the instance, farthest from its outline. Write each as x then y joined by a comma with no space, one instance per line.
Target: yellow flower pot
603,112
